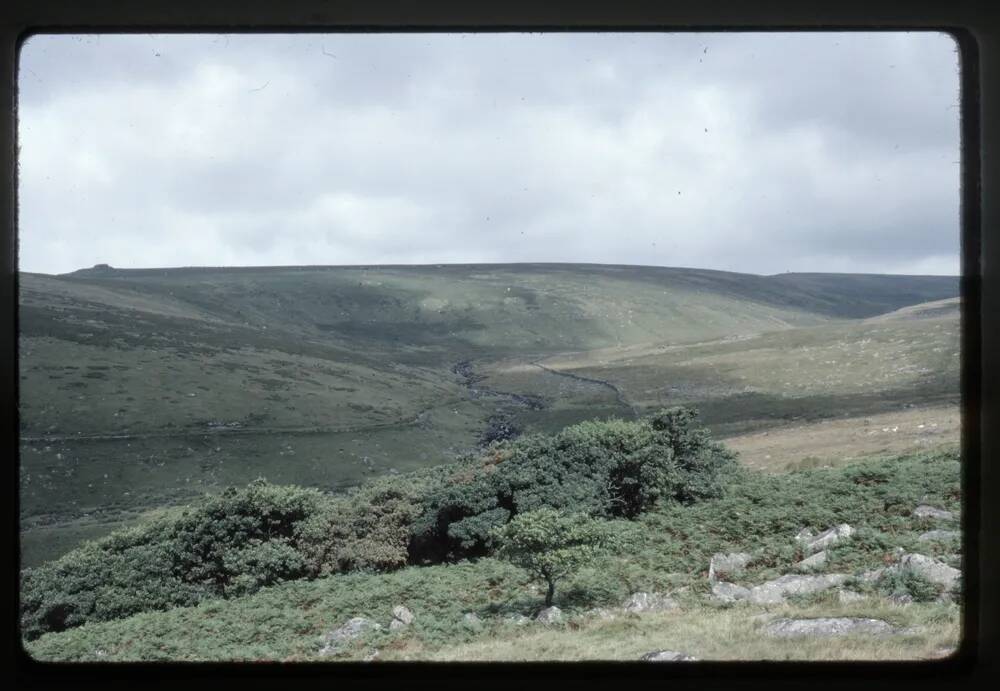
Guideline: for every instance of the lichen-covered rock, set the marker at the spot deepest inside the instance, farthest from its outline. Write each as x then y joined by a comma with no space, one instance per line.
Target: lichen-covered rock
648,602
775,591
931,569
401,616
826,538
336,640
827,626
472,621
813,563
873,575
846,597
927,511
939,535
725,566
667,656
729,592
549,615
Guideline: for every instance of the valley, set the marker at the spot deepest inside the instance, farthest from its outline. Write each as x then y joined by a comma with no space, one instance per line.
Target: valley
142,389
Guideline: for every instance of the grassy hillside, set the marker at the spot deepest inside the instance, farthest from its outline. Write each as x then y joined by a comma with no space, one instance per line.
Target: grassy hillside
668,552
145,388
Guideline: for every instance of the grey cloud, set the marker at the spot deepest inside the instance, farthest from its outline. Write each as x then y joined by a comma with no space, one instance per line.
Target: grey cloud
746,152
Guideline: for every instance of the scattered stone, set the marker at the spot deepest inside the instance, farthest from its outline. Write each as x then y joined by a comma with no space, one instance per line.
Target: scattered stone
827,538
942,535
401,616
549,615
827,626
813,563
472,621
722,566
667,656
847,597
729,592
931,569
774,592
648,602
336,640
928,511
870,577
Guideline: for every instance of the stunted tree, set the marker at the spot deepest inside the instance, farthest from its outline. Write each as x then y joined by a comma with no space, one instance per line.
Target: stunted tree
551,545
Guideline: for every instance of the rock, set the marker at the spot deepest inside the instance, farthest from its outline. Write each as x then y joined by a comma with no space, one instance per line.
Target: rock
827,538
724,566
729,592
931,569
402,615
942,535
774,592
847,597
336,640
928,511
472,621
827,626
873,575
648,602
667,656
549,615
804,536
813,563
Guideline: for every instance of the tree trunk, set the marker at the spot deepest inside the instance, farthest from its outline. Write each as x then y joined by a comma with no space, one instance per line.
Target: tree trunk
550,593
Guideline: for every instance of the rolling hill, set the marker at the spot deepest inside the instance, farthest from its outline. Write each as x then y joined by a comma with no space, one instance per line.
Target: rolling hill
142,388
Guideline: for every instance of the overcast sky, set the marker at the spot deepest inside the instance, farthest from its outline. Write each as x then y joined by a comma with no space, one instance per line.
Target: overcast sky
760,153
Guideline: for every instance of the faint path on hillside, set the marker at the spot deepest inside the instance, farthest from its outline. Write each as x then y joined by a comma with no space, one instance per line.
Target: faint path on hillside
618,394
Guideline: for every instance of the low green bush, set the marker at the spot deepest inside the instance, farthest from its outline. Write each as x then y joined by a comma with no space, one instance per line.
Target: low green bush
608,469
229,545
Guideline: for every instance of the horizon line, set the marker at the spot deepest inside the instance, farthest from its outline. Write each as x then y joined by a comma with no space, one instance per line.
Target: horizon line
107,267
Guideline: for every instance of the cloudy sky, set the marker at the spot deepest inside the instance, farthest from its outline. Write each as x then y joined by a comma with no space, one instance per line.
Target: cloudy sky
760,153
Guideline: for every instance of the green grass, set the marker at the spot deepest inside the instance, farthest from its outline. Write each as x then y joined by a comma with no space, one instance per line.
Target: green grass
145,388
668,549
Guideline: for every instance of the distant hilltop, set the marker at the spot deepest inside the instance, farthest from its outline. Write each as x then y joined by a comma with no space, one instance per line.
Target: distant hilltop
96,269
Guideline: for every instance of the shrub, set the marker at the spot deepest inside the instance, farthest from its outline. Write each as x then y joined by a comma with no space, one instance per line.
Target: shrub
231,544
369,530
551,545
607,469
905,582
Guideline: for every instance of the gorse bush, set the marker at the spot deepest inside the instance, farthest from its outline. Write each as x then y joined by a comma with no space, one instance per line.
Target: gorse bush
369,530
664,548
235,543
612,469
231,544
